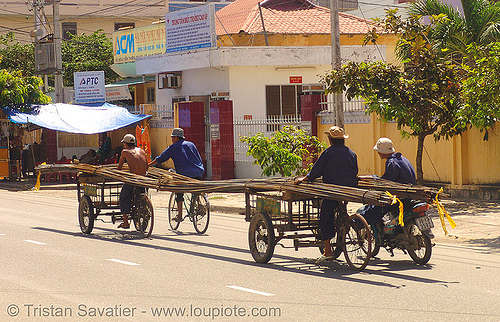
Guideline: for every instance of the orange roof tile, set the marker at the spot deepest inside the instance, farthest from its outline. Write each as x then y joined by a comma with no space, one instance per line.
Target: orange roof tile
284,17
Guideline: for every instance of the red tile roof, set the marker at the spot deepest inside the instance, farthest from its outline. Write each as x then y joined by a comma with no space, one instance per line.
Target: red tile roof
284,17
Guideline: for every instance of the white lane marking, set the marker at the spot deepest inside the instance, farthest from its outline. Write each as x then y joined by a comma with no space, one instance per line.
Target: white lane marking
2,234
122,262
249,290
34,242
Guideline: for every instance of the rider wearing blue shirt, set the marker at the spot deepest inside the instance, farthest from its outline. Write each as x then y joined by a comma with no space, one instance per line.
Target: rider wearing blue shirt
398,169
336,165
187,161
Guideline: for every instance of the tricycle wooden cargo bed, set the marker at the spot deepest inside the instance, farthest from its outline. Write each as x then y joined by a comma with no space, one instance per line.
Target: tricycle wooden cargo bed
99,197
274,216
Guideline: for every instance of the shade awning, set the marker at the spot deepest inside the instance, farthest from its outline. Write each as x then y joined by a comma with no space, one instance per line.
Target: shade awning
77,118
132,81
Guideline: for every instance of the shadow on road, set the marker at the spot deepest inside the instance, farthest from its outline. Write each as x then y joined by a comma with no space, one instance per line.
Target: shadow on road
334,269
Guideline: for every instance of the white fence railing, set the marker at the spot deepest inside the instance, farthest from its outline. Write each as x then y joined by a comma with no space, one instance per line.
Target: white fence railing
265,125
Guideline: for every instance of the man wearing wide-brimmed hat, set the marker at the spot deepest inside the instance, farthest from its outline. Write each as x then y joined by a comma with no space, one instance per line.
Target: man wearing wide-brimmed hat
336,165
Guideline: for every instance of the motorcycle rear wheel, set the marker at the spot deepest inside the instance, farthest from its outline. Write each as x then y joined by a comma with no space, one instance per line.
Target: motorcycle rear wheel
423,254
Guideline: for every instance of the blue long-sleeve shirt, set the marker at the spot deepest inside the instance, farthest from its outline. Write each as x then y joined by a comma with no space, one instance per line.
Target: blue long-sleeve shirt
337,165
399,169
187,159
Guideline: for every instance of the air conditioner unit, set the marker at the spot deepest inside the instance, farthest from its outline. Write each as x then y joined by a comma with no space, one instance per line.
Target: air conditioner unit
174,81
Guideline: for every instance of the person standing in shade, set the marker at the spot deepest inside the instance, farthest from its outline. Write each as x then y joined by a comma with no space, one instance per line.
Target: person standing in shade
187,161
137,164
336,165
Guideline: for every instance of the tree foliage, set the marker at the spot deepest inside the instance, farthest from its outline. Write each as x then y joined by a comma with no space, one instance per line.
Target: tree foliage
92,52
285,152
422,95
479,24
19,92
81,53
15,56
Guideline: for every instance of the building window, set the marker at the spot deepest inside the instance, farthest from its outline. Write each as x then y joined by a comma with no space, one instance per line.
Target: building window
150,95
283,100
68,29
124,25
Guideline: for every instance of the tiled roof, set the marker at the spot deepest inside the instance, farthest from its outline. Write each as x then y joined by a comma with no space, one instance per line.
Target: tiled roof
284,17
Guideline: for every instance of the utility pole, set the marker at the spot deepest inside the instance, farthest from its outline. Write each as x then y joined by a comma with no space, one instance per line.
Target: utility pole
58,83
338,106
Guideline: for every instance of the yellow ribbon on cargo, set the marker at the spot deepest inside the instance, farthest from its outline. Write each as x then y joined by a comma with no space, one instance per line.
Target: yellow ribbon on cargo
442,213
401,207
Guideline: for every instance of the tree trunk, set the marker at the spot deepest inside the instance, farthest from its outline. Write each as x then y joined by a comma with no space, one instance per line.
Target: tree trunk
420,150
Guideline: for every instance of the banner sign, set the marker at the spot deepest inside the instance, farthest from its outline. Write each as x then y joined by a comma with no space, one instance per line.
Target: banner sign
89,87
191,28
137,42
117,93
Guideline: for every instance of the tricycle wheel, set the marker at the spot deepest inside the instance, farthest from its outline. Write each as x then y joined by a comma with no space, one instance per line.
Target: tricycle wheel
172,212
357,242
201,213
261,238
144,218
86,214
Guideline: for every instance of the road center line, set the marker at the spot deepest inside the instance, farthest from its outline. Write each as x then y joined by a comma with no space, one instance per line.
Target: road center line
34,242
122,262
249,290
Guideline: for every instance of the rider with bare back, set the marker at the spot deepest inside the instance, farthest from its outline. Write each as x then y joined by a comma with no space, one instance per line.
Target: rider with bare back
137,164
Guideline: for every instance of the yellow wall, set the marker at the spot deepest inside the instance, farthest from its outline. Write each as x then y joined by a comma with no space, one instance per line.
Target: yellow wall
462,160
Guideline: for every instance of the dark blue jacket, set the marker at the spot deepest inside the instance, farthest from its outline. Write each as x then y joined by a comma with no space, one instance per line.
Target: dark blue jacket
187,159
399,169
337,165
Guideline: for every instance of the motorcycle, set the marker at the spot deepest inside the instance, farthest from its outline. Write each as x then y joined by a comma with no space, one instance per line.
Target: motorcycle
413,238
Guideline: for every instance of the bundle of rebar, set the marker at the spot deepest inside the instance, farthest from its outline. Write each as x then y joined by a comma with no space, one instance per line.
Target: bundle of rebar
165,180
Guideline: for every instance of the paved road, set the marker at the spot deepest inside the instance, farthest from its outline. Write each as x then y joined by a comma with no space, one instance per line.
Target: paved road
50,268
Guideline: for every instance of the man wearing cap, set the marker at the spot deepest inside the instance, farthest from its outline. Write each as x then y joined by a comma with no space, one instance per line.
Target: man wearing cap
336,165
397,169
137,164
187,161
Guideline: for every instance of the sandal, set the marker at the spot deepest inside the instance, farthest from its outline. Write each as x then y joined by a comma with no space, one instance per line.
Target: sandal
122,225
324,258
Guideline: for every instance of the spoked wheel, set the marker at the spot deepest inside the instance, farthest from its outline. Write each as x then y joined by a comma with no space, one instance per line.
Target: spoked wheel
357,242
201,213
173,212
261,238
86,214
144,217
422,254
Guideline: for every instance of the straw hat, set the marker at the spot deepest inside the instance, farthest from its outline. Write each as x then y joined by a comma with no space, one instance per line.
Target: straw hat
336,132
384,146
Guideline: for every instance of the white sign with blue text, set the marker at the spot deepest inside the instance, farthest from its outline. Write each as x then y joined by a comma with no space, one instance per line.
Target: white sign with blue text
89,87
191,28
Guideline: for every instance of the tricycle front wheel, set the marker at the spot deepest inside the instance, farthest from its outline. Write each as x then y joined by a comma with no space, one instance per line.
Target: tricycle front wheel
86,214
357,242
261,238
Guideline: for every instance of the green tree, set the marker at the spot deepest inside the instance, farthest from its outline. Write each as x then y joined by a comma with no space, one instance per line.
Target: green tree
15,56
92,52
479,24
81,53
422,95
285,152
19,92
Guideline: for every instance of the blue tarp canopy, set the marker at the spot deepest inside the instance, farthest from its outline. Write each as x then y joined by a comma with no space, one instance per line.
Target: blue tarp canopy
77,118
